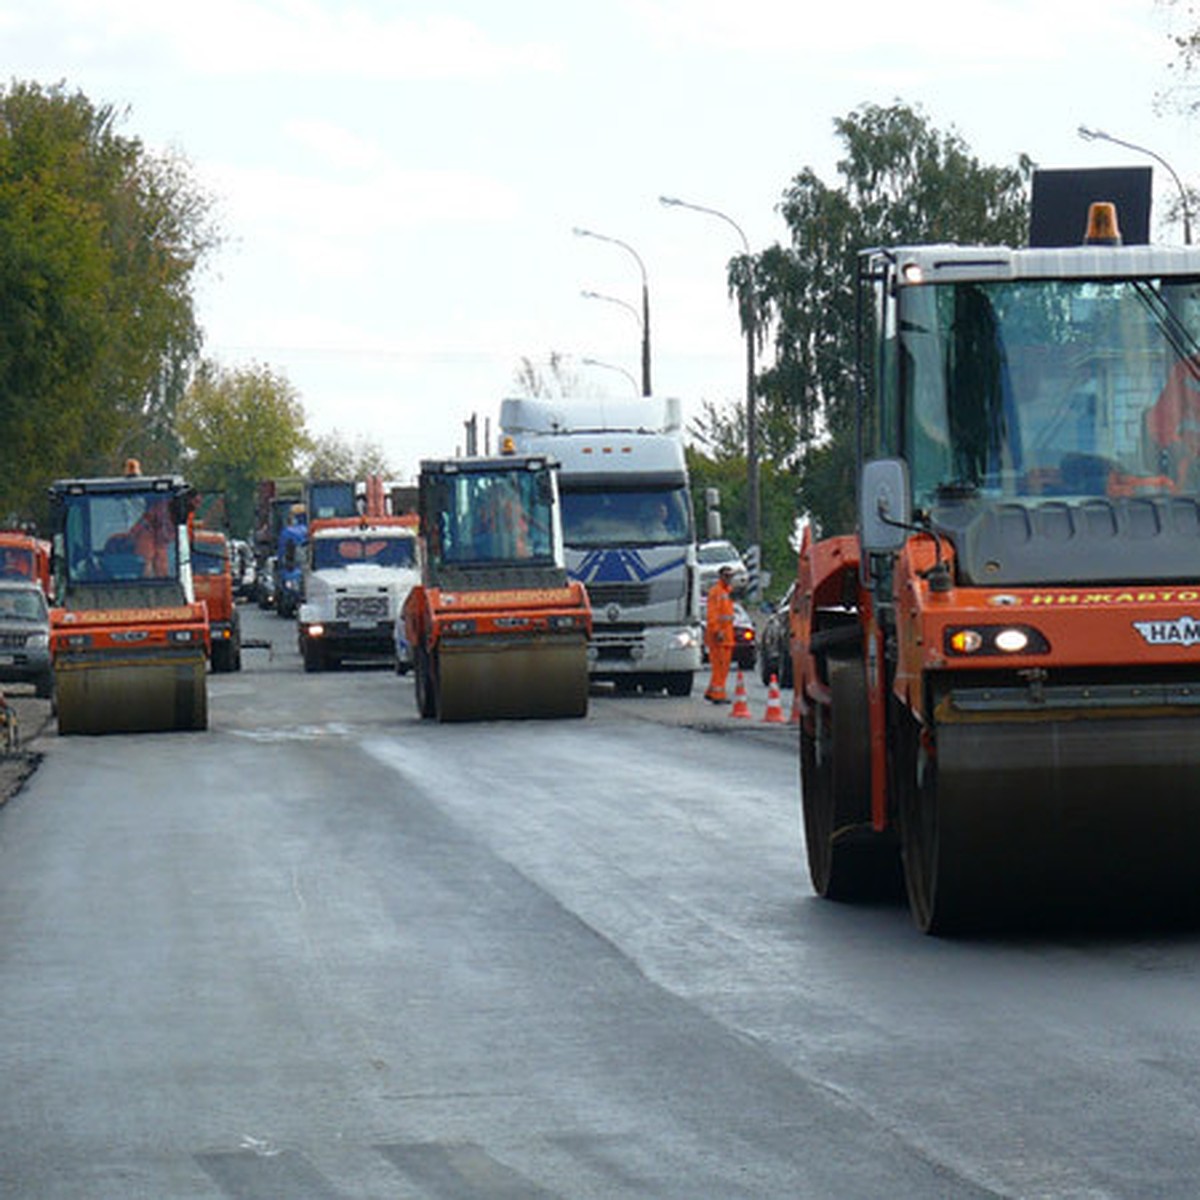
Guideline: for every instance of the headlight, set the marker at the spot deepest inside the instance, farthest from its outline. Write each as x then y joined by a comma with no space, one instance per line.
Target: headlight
37,641
461,627
316,629
180,635
979,640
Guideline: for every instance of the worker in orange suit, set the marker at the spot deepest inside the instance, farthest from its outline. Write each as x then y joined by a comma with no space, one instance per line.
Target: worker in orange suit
718,634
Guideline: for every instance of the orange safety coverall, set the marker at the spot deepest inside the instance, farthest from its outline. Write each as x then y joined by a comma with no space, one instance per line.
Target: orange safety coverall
718,637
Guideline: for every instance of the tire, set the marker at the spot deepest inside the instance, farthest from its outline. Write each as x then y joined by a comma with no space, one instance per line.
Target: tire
43,686
847,859
424,690
679,683
314,656
222,657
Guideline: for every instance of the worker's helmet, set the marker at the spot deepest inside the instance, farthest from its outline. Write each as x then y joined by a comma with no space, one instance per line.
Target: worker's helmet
132,467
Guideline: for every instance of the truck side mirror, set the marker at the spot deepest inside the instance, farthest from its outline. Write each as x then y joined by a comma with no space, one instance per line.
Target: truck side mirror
885,510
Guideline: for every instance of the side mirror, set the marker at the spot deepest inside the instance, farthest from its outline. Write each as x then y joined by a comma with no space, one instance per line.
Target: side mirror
885,510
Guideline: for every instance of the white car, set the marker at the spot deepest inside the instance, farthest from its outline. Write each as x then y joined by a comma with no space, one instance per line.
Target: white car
712,556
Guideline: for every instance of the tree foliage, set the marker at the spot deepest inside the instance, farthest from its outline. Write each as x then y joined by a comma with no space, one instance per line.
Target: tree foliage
335,456
239,426
902,181
99,243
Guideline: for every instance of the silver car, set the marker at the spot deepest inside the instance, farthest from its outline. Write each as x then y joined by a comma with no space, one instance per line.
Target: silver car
25,636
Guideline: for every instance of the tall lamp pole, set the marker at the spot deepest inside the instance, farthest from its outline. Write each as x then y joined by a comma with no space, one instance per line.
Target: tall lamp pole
749,319
1098,135
645,299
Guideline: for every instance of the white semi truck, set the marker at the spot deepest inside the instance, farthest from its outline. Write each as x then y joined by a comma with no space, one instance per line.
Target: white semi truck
628,530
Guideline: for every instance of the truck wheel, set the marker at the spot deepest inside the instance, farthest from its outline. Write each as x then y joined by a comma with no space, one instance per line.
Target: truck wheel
847,859
679,683
314,656
43,686
426,700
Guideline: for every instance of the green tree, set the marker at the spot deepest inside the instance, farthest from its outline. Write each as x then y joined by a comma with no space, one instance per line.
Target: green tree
99,242
238,427
902,181
335,456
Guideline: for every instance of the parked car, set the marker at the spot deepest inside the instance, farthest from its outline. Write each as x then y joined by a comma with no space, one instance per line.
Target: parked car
775,644
25,636
745,640
712,556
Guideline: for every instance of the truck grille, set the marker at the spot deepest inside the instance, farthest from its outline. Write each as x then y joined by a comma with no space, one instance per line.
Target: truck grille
353,608
12,641
625,594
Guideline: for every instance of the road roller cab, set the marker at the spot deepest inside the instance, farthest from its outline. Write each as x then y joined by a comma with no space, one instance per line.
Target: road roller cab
129,641
998,674
496,628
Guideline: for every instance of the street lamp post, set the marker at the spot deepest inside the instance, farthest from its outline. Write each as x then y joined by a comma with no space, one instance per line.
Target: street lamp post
645,299
1098,135
595,362
749,319
637,316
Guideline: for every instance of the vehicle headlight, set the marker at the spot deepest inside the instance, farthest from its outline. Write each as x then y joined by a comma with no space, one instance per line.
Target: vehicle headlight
979,640
180,635
37,641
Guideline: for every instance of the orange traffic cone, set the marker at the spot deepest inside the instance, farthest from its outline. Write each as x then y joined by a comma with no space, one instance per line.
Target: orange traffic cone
774,714
741,707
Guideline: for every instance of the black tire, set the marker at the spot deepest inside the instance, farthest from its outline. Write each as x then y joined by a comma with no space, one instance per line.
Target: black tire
847,860
314,656
43,686
679,683
424,690
767,666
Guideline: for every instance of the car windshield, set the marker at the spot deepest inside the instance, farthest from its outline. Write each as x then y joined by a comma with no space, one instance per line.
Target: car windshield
716,552
25,605
641,517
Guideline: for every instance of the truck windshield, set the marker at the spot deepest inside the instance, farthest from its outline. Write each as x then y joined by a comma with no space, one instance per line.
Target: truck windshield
207,559
332,552
16,563
602,516
1039,388
121,537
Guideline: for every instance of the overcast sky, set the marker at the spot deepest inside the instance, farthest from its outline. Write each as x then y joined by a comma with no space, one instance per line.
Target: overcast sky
398,180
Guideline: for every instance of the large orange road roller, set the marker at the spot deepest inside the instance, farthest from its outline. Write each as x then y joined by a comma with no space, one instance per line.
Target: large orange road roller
129,642
998,673
495,628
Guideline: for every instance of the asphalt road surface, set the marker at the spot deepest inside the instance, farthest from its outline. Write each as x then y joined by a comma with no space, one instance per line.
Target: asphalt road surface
328,950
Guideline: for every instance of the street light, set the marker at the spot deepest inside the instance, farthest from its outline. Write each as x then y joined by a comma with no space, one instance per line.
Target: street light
1098,135
595,362
637,316
645,299
749,319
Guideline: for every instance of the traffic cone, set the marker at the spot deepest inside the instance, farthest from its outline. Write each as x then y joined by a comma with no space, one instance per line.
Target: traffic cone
774,714
741,707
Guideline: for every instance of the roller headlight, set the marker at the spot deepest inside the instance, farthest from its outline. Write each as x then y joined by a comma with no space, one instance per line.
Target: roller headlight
965,641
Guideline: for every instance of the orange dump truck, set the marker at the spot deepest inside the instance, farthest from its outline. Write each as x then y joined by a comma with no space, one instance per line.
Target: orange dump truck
212,578
998,673
24,556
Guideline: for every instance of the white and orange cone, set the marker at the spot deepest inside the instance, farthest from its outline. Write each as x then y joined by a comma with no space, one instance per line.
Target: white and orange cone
741,706
774,714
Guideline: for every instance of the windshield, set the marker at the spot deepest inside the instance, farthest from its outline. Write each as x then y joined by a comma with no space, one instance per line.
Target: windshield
642,517
120,537
492,516
1051,388
373,550
16,563
207,558
28,604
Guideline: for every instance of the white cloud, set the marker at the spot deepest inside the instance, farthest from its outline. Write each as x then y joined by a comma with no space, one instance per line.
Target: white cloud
300,38
937,34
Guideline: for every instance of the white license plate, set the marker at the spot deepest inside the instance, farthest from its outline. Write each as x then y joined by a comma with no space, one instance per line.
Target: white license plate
7,660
